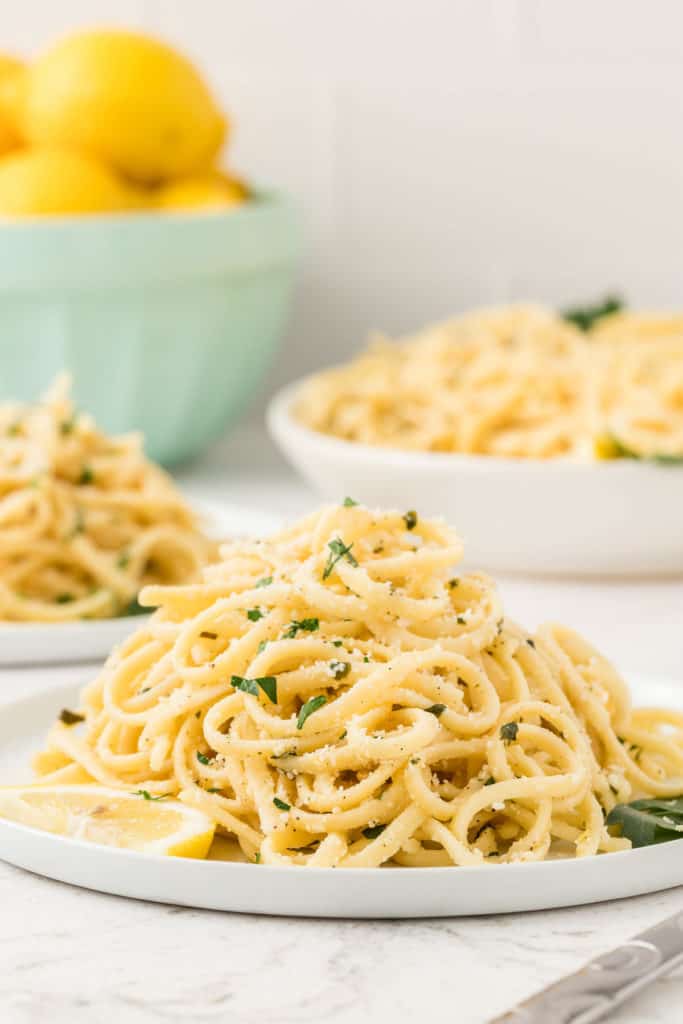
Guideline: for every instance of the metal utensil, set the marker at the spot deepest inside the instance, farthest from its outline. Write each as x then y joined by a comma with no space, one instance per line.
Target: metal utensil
606,982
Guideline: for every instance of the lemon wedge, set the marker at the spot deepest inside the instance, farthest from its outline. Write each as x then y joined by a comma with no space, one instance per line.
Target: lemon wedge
111,817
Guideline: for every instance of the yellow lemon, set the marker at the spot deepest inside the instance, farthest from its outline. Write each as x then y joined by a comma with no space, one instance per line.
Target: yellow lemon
212,189
11,74
111,817
51,181
128,99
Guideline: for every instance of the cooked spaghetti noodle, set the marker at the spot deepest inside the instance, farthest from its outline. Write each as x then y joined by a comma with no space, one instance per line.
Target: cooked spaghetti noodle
337,696
518,381
85,519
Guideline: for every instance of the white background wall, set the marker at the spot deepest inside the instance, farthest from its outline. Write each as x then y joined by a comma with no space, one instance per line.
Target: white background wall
445,152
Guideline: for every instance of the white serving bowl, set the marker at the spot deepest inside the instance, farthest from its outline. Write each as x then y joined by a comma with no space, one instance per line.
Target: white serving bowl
518,515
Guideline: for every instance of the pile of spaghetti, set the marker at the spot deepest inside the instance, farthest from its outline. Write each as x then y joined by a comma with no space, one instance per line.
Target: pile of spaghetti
337,696
519,381
85,519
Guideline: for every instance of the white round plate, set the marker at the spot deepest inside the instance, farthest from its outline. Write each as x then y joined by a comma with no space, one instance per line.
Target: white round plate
41,643
520,515
319,892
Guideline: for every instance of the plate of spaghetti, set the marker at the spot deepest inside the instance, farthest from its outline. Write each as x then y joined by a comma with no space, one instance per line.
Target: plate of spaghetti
342,696
86,521
554,447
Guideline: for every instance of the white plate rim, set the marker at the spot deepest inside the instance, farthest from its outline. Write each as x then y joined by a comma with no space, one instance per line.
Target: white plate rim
342,892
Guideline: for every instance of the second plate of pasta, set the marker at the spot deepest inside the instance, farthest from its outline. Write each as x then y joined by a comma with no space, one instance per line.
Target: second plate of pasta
86,521
551,450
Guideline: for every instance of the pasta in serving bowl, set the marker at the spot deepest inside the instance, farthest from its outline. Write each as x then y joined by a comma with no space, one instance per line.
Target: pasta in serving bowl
341,695
86,519
519,382
552,449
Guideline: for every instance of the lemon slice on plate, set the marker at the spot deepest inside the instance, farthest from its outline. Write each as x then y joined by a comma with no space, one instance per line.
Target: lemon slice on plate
111,817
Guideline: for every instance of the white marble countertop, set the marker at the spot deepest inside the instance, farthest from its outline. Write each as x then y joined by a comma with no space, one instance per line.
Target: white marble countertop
69,955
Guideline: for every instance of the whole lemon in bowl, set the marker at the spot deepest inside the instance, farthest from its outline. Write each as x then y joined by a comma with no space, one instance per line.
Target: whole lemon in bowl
52,181
210,190
128,99
11,72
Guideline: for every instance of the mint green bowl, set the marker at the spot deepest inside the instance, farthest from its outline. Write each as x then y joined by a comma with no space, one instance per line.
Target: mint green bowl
167,321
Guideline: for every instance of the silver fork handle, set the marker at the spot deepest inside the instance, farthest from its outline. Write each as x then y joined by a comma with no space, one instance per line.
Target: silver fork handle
606,982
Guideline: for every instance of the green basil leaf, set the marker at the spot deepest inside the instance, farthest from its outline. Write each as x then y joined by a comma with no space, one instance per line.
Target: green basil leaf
373,831
267,683
67,717
649,821
338,550
300,625
308,708
585,317
436,709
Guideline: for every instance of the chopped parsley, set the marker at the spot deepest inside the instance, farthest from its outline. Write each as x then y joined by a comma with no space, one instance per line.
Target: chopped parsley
254,614
490,781
308,708
281,805
262,646
265,581
79,524
337,643
267,683
146,795
436,709
87,476
203,758
585,317
67,717
531,643
67,426
135,608
300,626
64,598
373,831
508,732
410,519
257,857
338,550
349,503
607,446
339,669
666,460
123,561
